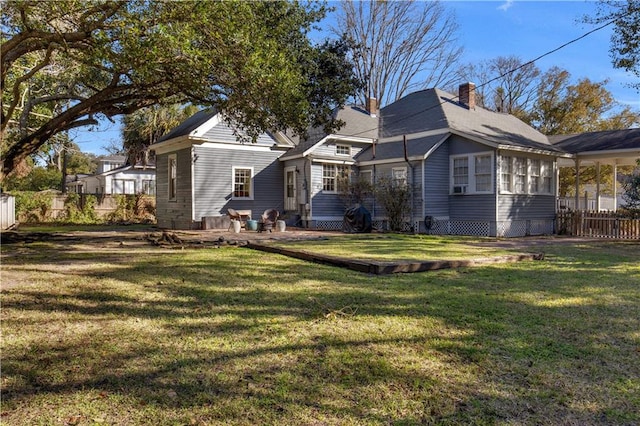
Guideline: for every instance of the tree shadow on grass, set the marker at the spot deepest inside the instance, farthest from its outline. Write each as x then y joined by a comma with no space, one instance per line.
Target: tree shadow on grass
268,338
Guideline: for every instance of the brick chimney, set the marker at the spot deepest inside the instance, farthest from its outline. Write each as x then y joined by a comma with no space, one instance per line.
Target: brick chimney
467,95
372,107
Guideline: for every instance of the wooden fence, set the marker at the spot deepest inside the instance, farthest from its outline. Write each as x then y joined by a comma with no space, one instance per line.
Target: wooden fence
598,225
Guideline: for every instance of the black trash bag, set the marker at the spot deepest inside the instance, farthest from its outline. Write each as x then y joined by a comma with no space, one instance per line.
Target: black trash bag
357,219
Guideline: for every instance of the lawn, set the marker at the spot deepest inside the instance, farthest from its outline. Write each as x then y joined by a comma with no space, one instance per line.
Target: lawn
138,335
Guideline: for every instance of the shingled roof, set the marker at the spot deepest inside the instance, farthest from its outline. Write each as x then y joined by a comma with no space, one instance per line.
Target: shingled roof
433,109
607,140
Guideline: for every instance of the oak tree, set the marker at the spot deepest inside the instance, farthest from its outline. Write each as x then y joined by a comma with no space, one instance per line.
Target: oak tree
69,63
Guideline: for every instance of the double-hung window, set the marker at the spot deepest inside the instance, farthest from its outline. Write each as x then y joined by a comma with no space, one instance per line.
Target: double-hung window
461,171
520,175
546,173
506,174
243,183
534,176
483,173
173,176
399,176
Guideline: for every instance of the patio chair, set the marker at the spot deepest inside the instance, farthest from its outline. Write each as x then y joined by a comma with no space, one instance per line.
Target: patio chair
233,215
267,220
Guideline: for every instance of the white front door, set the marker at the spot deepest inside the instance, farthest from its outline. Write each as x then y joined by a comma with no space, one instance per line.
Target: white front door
290,189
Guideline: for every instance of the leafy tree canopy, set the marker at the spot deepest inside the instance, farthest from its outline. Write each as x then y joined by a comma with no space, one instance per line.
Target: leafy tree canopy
65,64
625,41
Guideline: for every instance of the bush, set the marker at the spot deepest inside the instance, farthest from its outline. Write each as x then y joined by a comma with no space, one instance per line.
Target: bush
395,198
33,206
75,211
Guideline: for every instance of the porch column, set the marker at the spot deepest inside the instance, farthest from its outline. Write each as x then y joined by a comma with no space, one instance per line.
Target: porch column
615,185
577,206
597,186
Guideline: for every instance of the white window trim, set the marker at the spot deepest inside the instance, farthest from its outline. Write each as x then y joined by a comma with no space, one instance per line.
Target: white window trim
471,162
172,158
348,147
369,179
403,170
336,168
233,183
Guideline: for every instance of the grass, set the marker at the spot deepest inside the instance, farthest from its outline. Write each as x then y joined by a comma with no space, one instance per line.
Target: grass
395,247
134,336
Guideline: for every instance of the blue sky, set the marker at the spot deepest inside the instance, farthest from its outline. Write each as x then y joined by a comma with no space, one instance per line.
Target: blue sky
489,29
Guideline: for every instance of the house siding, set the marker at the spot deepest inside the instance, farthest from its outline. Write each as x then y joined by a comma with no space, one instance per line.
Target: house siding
174,214
324,205
437,183
213,181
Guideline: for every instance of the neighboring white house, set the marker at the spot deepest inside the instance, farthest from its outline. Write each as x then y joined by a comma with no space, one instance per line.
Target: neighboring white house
114,177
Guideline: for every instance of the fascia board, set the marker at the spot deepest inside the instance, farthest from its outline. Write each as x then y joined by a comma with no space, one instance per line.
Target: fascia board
331,161
628,152
174,144
390,160
206,126
418,135
436,146
534,151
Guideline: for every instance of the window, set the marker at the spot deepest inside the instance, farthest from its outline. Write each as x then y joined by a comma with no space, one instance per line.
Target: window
534,176
520,175
173,176
546,173
366,176
335,177
343,150
506,173
242,182
483,173
123,186
399,175
461,171
472,173
329,177
148,187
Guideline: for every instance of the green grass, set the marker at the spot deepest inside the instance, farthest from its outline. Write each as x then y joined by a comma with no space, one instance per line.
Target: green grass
232,336
397,247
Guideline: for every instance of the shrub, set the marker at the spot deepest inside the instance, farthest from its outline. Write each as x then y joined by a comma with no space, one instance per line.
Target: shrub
33,206
77,211
395,198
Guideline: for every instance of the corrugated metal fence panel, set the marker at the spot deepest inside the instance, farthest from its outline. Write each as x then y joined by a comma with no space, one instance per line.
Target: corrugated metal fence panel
7,211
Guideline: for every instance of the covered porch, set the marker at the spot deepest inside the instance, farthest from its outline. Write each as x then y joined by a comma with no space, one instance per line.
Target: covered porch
616,148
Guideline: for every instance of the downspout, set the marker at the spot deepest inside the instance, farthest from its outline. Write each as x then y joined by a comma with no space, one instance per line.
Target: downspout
307,201
406,159
424,194
193,189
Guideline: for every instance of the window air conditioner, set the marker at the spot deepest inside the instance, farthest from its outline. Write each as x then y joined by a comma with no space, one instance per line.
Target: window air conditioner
459,189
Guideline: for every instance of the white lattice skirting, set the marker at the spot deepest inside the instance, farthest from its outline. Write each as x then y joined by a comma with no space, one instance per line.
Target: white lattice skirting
508,229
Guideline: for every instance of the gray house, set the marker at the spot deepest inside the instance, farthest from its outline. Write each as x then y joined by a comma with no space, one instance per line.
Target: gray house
202,169
472,171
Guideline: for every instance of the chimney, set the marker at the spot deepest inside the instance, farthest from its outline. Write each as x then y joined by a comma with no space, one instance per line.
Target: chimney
467,95
372,107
